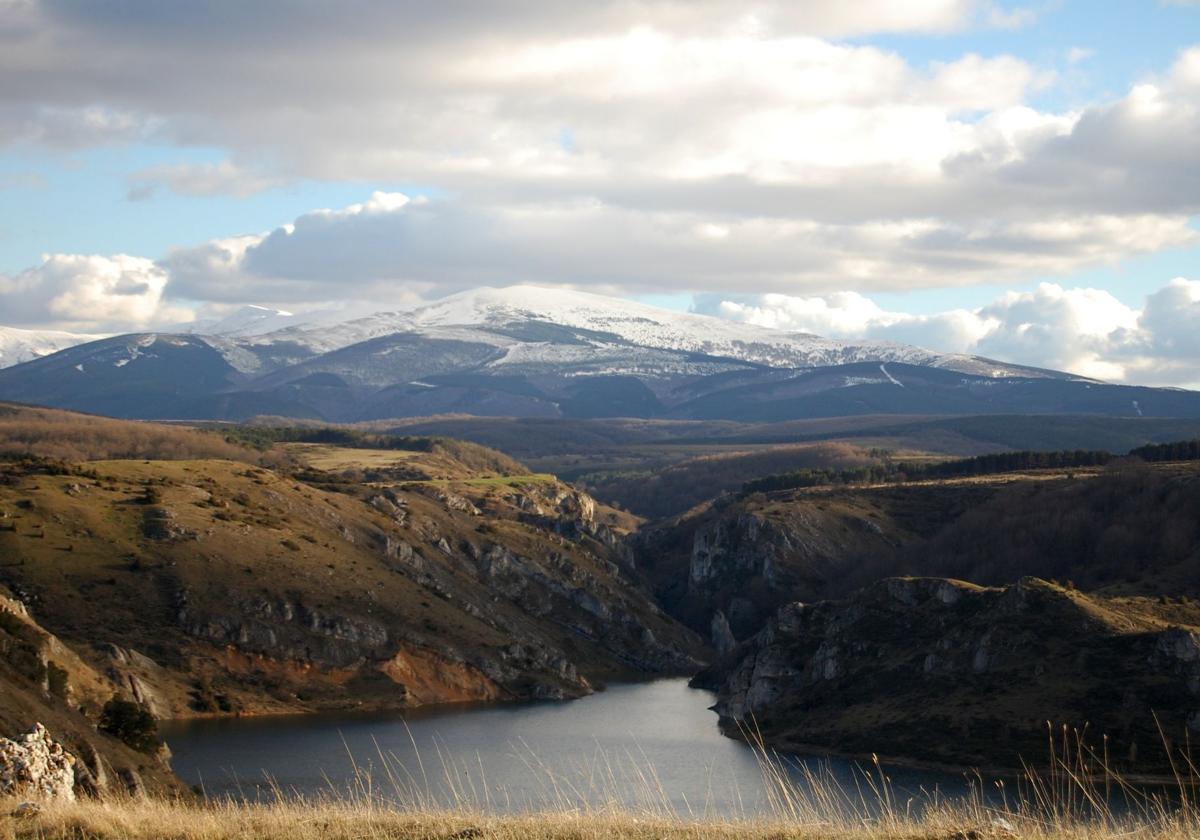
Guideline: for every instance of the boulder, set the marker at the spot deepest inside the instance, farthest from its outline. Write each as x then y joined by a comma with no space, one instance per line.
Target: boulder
35,765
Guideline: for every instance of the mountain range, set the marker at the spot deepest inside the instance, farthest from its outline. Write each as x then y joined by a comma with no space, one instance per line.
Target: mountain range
527,351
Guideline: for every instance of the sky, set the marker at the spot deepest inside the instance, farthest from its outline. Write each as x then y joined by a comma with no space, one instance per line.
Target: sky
1015,179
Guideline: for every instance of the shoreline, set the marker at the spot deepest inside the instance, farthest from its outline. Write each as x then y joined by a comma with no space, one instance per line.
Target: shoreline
791,749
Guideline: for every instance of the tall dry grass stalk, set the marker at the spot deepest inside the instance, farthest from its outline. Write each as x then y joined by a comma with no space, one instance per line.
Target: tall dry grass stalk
1079,796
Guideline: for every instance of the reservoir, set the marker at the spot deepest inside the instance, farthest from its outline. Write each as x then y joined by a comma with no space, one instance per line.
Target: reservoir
651,746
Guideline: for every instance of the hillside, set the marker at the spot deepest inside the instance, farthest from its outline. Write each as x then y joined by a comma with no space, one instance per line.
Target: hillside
43,680
600,450
947,672
675,488
345,577
1124,528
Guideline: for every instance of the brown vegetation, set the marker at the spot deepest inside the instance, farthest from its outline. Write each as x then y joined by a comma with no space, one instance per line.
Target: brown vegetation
68,436
679,487
1064,804
1134,527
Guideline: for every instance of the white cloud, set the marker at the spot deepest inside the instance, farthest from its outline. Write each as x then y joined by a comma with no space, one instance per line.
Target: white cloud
1085,331
824,162
89,293
391,246
636,147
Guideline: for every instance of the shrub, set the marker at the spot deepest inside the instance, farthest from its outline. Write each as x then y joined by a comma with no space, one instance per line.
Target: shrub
130,722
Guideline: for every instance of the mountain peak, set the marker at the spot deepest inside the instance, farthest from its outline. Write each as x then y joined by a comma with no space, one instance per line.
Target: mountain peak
487,304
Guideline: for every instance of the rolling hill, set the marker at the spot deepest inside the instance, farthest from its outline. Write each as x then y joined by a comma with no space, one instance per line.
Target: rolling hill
195,576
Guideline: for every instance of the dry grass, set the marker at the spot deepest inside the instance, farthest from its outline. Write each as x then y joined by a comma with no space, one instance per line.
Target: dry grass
1068,801
361,819
329,458
68,436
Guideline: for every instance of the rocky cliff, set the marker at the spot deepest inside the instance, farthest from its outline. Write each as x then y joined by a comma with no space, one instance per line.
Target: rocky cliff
952,673
729,565
43,683
724,568
213,587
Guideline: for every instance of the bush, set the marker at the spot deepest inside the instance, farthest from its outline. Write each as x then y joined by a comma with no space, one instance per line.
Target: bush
130,722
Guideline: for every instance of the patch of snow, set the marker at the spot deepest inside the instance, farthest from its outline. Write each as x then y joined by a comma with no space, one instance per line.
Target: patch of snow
135,349
19,345
892,379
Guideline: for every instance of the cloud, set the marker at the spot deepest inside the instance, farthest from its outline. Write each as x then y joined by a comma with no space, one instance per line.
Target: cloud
1085,331
64,127
89,293
829,162
704,146
391,246
204,179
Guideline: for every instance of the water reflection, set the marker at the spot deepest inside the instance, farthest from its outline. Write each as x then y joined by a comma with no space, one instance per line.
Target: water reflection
652,746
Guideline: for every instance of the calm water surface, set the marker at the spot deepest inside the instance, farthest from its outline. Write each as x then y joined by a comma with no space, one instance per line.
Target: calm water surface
648,745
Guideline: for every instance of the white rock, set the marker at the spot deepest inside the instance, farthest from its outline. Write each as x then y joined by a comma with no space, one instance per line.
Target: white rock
35,765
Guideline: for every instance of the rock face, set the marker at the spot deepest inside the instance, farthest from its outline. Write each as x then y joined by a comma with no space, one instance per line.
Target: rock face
745,558
257,593
949,672
36,766
43,680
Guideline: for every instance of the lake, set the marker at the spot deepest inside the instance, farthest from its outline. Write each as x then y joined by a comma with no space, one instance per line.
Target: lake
652,746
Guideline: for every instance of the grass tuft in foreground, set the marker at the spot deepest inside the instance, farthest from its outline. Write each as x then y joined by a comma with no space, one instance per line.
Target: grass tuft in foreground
1079,798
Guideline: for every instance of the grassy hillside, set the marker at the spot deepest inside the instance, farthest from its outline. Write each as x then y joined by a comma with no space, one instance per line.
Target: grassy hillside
599,447
676,488
68,436
341,577
1126,527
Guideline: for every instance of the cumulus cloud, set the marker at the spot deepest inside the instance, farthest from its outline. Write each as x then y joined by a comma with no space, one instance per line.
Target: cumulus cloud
842,159
630,147
1085,331
391,246
89,294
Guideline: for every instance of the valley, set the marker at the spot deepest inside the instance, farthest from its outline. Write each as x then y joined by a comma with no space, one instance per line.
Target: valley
218,587
283,568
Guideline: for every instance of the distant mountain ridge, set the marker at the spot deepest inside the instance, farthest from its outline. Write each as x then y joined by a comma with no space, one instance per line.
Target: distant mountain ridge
489,314
525,351
18,346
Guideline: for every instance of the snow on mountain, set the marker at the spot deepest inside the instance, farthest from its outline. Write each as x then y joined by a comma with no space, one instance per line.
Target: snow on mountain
247,321
650,326
18,345
612,327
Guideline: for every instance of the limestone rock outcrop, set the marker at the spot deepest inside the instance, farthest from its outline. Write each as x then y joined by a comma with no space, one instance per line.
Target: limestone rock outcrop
36,766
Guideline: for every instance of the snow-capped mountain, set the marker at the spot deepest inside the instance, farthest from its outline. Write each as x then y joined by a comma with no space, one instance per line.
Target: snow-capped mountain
489,314
533,352
17,345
